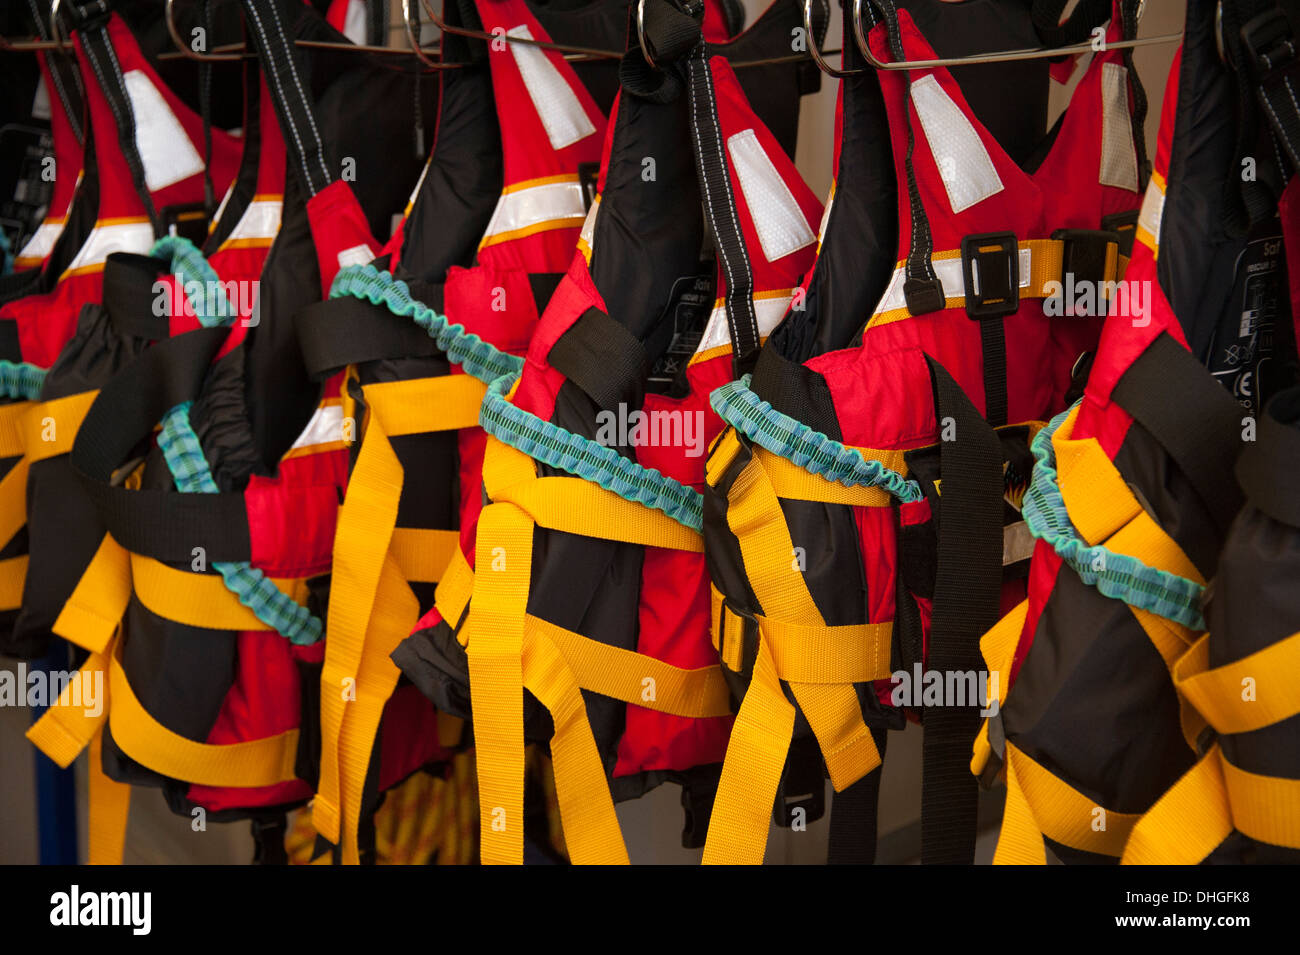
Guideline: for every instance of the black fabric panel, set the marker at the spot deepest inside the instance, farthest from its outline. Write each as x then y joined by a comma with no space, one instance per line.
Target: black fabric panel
1112,732
1192,267
1008,98
431,494
600,25
129,298
828,536
796,390
464,178
643,241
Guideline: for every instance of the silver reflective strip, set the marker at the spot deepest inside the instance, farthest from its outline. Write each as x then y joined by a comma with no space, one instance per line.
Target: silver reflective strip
41,243
949,272
769,311
534,205
776,215
325,427
106,239
1119,166
165,149
1153,210
261,220
964,164
557,105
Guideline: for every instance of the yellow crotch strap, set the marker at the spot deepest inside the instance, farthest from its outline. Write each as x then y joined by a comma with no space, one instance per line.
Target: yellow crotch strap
819,662
1215,797
509,650
13,502
371,609
90,619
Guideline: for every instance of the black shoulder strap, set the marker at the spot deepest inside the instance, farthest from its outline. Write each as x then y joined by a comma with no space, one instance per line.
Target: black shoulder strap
165,525
967,590
1268,466
1194,419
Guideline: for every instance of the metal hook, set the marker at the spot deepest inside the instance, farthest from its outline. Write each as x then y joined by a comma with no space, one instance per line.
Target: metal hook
640,36
413,38
1004,56
572,53
815,53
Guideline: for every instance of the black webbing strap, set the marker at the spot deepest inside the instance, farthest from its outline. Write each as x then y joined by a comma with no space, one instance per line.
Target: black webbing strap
165,525
339,332
55,61
130,297
922,290
1192,416
967,589
603,358
673,30
289,83
1274,62
91,21
853,816
1267,467
1138,117
993,348
376,22
205,114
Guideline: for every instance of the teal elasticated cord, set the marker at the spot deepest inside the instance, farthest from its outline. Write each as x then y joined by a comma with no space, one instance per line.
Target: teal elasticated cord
586,458
1117,576
811,450
21,380
189,467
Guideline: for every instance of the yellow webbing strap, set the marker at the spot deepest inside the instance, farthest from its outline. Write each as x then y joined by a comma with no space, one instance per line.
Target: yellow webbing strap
793,639
578,506
751,770
92,614
591,829
1187,822
1220,695
1045,265
726,628
1263,807
423,554
454,590
200,600
49,428
67,727
109,809
13,488
998,648
13,574
495,642
260,762
11,428
792,482
634,677
1041,804
368,547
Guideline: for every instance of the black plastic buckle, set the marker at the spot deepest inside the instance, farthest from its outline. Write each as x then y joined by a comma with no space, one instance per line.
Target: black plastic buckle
1084,255
997,751
997,255
924,296
802,786
748,633
1268,42
1123,224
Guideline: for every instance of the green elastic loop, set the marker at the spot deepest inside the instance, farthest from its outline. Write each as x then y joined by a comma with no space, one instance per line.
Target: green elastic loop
21,380
1117,576
184,455
210,304
484,361
811,450
586,458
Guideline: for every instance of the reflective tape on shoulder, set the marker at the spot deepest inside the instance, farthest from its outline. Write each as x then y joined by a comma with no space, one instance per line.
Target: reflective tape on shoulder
557,105
1118,154
780,223
964,164
165,149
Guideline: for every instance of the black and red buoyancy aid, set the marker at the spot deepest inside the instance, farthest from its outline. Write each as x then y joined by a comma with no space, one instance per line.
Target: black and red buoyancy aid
1104,670
132,115
844,454
237,563
516,127
577,589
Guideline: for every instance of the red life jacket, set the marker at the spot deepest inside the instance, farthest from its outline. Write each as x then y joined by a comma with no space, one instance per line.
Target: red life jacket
1099,666
232,731
845,456
603,592
131,202
512,137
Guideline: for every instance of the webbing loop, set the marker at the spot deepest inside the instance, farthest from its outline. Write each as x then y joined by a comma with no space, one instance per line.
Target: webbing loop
1114,575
